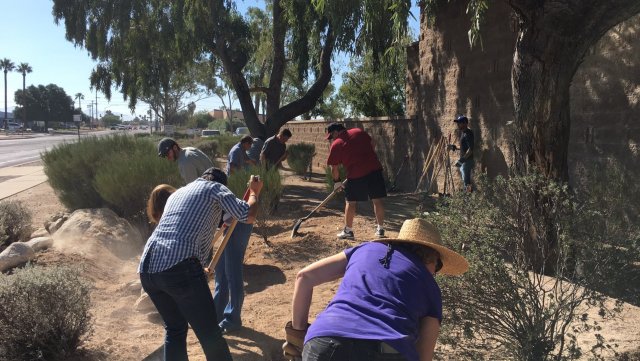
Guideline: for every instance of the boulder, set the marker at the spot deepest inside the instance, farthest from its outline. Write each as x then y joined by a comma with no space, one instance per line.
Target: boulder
131,288
91,227
55,222
16,254
40,232
40,243
144,304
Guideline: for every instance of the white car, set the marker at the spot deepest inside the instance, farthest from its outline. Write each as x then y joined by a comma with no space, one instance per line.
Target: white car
242,131
208,133
12,127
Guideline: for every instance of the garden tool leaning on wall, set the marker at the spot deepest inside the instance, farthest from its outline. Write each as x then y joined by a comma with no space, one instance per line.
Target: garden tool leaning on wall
296,226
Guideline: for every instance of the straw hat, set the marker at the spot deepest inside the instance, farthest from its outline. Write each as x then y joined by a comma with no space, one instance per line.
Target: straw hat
419,231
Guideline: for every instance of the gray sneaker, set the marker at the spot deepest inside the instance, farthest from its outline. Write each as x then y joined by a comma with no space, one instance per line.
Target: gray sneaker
380,233
345,234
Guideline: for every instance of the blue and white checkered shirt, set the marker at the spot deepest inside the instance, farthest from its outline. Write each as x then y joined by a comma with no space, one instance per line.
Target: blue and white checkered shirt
188,222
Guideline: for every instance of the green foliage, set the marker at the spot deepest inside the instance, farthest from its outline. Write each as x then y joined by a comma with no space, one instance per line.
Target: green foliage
271,191
225,143
329,177
117,171
513,232
208,146
126,179
110,120
44,313
200,120
15,223
375,89
300,157
45,103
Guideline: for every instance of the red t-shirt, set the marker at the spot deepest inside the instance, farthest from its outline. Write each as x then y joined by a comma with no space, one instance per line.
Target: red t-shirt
352,148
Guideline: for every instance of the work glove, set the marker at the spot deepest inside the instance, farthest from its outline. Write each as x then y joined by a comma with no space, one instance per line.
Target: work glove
452,147
294,342
337,186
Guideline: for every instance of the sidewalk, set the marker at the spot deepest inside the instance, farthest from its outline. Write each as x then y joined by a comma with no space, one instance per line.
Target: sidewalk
17,179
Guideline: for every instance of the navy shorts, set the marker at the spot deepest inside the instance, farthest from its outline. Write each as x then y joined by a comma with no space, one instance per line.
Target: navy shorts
365,188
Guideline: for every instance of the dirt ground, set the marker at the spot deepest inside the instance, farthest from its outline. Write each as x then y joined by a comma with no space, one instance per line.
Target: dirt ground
121,333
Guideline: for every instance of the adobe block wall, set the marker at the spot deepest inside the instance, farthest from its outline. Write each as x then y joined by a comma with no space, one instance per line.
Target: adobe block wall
446,77
395,138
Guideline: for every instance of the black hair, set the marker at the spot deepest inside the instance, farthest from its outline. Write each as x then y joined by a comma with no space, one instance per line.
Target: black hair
285,133
246,139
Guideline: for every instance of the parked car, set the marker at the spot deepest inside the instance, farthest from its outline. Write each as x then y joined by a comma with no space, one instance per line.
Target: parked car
242,131
13,127
208,133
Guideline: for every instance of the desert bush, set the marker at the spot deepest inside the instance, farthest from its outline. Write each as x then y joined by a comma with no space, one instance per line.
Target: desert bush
269,196
15,223
300,157
513,232
44,313
329,177
225,143
117,171
208,146
126,179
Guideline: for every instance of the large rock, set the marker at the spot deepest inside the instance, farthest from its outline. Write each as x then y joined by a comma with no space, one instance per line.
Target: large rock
16,254
40,243
86,229
40,232
55,222
144,304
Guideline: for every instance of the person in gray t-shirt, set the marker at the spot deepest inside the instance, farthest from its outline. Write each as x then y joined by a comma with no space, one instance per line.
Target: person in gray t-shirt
192,162
256,147
274,151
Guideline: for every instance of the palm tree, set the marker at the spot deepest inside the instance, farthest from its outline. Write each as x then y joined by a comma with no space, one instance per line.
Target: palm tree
80,97
25,69
6,65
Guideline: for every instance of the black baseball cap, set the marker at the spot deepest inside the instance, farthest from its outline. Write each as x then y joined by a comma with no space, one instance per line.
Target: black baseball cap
216,175
164,145
334,127
461,119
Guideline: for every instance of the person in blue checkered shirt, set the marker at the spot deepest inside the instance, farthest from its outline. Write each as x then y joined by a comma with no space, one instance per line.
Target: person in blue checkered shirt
173,261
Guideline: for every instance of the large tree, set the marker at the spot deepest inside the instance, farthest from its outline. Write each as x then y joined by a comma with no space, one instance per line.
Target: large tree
46,103
141,41
6,66
24,69
553,39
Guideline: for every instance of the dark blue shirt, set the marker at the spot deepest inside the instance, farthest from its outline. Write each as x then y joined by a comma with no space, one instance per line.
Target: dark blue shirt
466,142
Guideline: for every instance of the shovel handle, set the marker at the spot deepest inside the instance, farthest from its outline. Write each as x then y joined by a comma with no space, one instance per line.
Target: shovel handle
335,191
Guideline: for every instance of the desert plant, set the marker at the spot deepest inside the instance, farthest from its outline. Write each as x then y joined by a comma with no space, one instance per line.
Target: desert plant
126,179
505,301
225,143
329,177
44,313
15,223
300,157
269,197
207,146
117,171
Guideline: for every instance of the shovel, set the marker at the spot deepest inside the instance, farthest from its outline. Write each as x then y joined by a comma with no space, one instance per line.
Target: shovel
298,223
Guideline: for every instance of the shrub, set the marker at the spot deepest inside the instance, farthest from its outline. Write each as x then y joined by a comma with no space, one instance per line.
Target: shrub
300,157
117,171
44,313
225,143
513,232
269,196
207,146
15,223
329,177
126,179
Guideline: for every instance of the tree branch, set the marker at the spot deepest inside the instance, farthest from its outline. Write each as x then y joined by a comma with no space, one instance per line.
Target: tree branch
278,66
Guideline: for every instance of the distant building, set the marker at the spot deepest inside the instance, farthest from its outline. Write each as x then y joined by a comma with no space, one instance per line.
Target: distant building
235,114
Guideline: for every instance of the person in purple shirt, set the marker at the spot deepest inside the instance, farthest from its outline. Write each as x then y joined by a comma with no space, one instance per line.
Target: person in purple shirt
388,305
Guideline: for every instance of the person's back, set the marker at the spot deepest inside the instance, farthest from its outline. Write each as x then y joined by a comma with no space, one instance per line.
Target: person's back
356,153
377,303
192,162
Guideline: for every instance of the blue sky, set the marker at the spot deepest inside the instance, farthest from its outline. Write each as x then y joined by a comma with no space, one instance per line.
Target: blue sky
29,35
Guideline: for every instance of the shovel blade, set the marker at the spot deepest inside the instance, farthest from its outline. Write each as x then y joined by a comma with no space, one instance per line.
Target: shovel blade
296,226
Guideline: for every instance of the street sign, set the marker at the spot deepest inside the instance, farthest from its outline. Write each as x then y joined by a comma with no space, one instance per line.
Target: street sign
169,129
77,118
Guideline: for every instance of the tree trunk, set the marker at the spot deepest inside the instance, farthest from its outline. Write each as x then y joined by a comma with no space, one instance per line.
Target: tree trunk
553,39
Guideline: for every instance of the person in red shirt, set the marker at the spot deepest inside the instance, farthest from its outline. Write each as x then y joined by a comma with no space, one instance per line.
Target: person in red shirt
354,149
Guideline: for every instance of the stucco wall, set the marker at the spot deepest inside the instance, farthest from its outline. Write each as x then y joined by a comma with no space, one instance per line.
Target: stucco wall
446,77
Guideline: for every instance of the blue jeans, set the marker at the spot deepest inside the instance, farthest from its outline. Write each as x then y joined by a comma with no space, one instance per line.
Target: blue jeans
182,296
229,291
465,172
348,349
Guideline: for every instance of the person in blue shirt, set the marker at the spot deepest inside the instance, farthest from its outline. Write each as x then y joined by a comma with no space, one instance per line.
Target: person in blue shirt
388,305
238,157
465,162
174,258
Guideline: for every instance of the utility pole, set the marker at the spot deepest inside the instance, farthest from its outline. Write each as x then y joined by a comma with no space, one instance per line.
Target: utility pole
96,102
